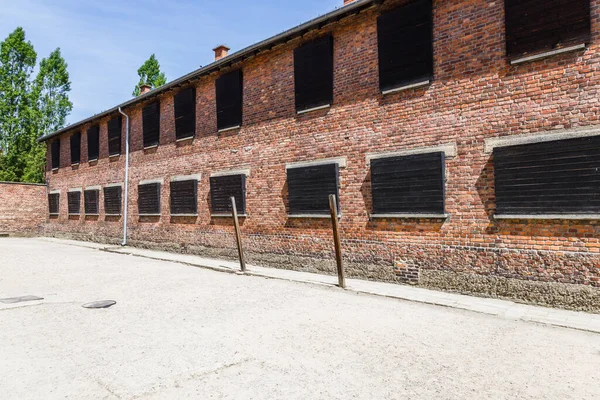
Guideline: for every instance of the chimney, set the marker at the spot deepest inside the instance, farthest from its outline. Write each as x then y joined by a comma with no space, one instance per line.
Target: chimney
348,1
221,51
145,89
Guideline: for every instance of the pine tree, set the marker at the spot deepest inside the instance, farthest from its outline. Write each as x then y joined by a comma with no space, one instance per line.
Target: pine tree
150,74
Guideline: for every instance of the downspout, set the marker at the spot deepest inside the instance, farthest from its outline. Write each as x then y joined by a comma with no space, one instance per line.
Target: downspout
126,197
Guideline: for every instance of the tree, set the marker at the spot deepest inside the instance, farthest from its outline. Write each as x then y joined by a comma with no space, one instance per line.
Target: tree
17,105
150,74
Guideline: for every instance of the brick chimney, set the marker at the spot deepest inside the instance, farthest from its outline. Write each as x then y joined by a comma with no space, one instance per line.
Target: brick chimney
348,1
145,89
221,51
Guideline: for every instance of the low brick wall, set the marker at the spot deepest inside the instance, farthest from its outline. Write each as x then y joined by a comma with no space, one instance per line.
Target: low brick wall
23,207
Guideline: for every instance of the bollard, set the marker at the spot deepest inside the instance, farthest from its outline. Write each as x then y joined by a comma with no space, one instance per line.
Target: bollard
337,242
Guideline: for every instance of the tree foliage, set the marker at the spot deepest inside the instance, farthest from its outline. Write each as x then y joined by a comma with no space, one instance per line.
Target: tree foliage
29,108
150,74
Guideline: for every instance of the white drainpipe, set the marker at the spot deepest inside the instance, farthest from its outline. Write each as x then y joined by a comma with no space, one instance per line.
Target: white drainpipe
126,197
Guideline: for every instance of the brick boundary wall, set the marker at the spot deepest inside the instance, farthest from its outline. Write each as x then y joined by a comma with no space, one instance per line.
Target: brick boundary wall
475,95
23,208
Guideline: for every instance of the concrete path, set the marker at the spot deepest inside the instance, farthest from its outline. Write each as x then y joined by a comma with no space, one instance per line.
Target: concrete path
501,308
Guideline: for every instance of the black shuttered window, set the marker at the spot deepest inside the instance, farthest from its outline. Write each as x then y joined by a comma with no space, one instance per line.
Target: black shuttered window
229,91
151,124
74,202
405,45
539,26
91,199
149,199
309,188
184,197
222,188
558,177
114,136
412,184
93,139
55,150
313,74
75,143
185,113
53,203
112,200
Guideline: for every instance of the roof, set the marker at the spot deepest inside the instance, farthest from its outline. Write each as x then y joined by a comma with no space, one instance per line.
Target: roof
267,44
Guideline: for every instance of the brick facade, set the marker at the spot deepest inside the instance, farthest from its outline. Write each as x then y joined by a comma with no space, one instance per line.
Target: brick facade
23,208
475,95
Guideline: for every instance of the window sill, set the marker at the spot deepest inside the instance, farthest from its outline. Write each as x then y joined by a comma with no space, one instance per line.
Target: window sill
112,215
114,155
548,216
231,128
74,215
407,87
54,169
547,54
227,215
185,139
410,216
150,147
75,165
149,215
184,215
91,215
313,109
93,160
317,216
53,214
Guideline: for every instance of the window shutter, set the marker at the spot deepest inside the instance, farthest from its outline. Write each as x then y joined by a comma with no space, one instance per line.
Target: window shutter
53,203
90,202
222,188
558,177
309,188
149,199
76,148
93,136
408,184
185,113
405,45
55,149
313,73
114,136
151,124
229,89
74,202
184,197
112,200
537,26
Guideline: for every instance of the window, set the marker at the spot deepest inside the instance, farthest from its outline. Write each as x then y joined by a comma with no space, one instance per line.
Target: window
313,74
539,26
112,200
74,202
184,197
55,150
114,136
93,136
222,188
309,188
53,203
229,100
75,148
149,199
151,124
412,184
405,44
185,113
558,177
90,202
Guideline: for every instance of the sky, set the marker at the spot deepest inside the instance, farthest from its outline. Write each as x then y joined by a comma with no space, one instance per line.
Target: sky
105,41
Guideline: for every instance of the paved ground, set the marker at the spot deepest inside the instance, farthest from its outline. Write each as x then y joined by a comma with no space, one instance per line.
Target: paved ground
184,332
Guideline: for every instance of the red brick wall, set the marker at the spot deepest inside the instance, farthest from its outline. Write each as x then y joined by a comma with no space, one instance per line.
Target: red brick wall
475,95
23,207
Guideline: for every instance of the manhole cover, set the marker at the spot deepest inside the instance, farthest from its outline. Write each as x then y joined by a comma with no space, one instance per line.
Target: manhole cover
12,300
100,304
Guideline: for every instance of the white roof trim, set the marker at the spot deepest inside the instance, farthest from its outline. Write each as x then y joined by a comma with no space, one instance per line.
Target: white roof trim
341,161
179,178
231,172
155,180
515,140
449,150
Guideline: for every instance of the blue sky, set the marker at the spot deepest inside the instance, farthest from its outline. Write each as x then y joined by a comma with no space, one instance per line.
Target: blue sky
105,41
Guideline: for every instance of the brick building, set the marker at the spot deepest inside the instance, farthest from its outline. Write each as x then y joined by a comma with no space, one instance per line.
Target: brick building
462,138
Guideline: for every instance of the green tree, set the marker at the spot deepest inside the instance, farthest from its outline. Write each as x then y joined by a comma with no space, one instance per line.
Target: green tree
150,74
17,105
52,105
